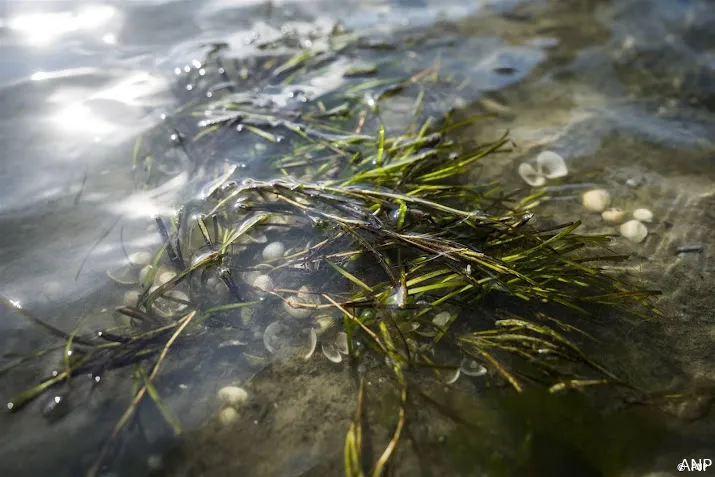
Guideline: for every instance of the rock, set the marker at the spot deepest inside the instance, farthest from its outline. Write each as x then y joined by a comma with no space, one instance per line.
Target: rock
273,251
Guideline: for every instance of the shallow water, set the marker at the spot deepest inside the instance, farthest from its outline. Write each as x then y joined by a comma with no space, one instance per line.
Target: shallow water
624,90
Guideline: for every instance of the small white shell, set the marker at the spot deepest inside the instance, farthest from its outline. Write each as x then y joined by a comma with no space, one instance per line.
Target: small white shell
453,378
124,275
341,342
232,396
426,333
530,175
163,277
325,322
613,215
551,165
167,307
313,343
131,297
644,215
303,297
259,238
331,352
634,231
470,367
250,277
143,273
273,251
397,297
408,327
296,312
441,319
596,200
140,259
263,283
271,339
227,416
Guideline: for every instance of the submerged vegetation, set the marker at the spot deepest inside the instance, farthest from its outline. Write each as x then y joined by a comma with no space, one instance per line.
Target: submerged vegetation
389,247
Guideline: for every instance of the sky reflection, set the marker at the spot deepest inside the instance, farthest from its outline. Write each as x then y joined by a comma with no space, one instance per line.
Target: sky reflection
42,28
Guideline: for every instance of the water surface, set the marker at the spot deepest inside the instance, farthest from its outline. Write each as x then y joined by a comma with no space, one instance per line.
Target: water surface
623,89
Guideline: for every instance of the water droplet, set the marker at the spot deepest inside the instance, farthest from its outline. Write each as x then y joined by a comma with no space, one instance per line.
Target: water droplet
202,72
177,71
187,68
189,87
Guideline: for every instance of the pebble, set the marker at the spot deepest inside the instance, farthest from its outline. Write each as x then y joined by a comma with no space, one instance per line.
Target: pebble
613,215
232,396
227,416
596,200
634,231
273,251
644,215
